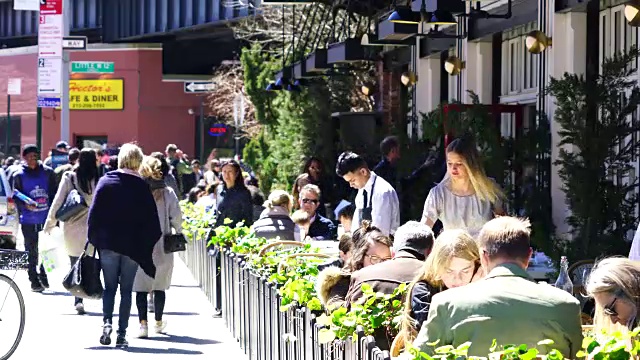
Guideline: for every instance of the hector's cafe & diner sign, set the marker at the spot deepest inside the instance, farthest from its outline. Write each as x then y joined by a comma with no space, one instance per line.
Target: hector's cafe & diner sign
96,94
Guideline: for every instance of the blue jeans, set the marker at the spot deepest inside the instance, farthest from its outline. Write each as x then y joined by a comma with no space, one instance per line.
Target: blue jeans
117,269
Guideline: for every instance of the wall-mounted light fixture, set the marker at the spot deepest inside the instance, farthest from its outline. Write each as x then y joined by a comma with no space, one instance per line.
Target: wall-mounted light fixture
441,17
632,12
367,89
537,42
403,14
409,78
453,65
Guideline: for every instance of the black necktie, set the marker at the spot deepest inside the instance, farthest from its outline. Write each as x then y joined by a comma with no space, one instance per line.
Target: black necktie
366,198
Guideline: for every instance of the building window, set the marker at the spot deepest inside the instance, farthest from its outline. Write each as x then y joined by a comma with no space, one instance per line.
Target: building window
615,34
520,68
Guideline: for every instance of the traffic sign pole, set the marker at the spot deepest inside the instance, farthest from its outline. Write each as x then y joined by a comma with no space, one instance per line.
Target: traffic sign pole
64,98
8,141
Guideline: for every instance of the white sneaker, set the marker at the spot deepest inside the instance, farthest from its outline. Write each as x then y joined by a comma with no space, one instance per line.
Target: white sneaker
144,331
80,309
160,326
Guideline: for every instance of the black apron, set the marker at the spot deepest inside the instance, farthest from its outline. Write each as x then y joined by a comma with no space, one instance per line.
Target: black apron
366,212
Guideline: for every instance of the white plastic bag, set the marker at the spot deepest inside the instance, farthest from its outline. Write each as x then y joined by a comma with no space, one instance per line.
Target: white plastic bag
50,247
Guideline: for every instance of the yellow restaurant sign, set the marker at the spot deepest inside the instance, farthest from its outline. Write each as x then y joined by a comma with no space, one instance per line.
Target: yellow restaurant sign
100,94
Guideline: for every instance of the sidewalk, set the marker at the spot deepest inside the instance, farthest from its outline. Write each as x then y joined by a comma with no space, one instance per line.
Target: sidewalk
54,329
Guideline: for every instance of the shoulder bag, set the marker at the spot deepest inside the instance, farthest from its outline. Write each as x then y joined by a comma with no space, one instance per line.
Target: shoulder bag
73,205
172,242
83,280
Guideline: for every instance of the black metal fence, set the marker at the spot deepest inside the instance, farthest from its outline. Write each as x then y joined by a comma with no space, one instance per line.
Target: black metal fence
251,309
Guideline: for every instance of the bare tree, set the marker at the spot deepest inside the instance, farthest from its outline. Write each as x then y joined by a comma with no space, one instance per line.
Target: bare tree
278,29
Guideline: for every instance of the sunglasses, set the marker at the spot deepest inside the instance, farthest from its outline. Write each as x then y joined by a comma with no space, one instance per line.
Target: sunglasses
307,201
610,309
375,259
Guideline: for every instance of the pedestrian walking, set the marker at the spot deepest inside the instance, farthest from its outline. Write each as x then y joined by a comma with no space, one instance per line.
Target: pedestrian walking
170,217
35,185
124,227
83,178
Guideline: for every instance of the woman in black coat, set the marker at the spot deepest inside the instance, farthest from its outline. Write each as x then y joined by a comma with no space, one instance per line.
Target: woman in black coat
234,199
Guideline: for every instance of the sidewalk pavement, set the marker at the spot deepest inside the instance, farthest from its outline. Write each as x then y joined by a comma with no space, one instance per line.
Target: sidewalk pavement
53,327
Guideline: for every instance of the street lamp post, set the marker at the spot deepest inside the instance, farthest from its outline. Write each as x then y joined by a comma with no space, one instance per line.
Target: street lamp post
238,119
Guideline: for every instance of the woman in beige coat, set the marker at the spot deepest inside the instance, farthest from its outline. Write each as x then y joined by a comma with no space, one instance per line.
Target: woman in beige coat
83,178
170,217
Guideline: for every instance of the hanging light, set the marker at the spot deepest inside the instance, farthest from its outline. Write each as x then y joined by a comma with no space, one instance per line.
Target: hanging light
632,12
409,78
441,17
296,86
404,15
537,41
281,83
453,65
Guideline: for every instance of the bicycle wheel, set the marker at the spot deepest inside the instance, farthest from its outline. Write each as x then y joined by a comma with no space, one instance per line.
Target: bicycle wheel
5,298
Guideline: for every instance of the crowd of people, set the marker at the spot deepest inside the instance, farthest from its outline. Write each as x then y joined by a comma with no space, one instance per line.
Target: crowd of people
468,281
129,206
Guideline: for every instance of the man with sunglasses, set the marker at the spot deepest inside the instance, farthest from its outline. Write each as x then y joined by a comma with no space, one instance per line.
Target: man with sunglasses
321,228
507,305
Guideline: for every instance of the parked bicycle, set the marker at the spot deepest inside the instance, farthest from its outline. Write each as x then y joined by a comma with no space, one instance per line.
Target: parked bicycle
12,309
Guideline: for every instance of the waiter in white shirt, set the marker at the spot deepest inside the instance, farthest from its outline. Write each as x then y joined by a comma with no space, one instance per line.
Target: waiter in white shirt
376,200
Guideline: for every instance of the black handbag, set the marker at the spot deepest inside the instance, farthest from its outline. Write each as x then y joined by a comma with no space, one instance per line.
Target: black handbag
83,280
73,205
172,242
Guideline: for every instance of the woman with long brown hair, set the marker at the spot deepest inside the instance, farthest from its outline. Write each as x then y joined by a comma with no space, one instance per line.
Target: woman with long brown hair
454,261
369,247
466,198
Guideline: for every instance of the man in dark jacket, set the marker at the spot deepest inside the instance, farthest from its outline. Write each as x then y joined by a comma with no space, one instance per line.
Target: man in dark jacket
412,243
37,182
387,167
321,228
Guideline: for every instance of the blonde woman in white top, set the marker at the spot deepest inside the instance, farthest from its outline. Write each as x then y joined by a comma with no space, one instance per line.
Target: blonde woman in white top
466,198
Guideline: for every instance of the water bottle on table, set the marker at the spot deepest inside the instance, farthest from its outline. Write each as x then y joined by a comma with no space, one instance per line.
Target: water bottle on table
564,280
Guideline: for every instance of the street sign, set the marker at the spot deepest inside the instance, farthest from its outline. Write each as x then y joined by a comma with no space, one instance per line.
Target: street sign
26,5
50,36
14,87
74,43
50,77
198,86
51,7
49,102
92,67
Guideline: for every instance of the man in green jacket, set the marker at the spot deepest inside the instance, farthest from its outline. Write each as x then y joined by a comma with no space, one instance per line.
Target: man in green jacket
507,305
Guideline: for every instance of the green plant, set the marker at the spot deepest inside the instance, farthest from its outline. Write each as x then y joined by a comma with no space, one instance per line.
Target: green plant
377,310
298,288
196,222
614,346
227,236
598,144
506,352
